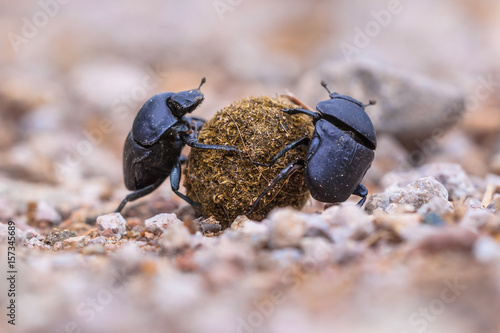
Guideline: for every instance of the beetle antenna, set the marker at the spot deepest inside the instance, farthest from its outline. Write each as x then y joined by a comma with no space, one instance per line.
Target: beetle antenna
203,80
371,102
323,83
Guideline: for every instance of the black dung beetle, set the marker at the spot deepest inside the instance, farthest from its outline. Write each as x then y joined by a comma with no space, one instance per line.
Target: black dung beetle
339,153
153,147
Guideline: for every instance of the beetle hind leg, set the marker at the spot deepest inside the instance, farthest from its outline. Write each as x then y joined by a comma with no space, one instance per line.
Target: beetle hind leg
362,192
284,174
138,194
175,181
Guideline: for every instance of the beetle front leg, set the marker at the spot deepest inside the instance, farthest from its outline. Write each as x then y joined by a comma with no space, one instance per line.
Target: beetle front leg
195,123
193,143
316,116
300,142
361,191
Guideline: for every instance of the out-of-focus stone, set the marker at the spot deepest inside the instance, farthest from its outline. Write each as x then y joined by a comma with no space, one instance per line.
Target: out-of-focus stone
283,258
108,233
257,232
316,249
348,222
7,211
56,236
239,223
317,226
395,208
452,176
347,252
42,211
33,233
494,204
390,156
482,121
477,219
76,242
98,240
133,222
33,243
287,227
416,194
410,107
210,226
161,222
397,228
436,205
175,238
456,147
113,221
449,239
93,249
486,249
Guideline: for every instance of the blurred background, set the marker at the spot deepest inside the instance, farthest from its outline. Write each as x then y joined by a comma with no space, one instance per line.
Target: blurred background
74,73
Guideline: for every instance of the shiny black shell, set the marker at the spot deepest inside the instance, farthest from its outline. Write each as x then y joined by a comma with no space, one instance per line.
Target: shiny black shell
153,120
335,164
345,110
144,166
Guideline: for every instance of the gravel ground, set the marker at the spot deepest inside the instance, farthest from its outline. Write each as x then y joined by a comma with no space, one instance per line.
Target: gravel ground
422,255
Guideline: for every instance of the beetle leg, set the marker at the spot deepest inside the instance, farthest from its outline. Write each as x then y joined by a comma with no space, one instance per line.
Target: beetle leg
195,123
183,159
316,116
300,142
193,143
362,192
285,173
175,181
138,194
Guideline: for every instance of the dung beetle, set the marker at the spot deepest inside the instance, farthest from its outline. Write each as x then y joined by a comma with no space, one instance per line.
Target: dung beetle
152,150
339,153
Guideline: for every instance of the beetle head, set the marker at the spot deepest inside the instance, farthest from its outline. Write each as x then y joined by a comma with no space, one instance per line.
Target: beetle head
185,101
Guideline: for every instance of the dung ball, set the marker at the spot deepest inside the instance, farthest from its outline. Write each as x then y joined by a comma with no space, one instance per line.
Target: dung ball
227,184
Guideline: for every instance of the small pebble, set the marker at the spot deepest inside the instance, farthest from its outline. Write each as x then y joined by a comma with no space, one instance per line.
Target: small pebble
114,221
161,222
286,227
176,238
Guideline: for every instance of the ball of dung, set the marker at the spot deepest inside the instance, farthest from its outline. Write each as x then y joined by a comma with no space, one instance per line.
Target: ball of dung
227,184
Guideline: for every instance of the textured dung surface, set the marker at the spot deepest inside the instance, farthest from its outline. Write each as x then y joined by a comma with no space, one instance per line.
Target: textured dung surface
226,185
